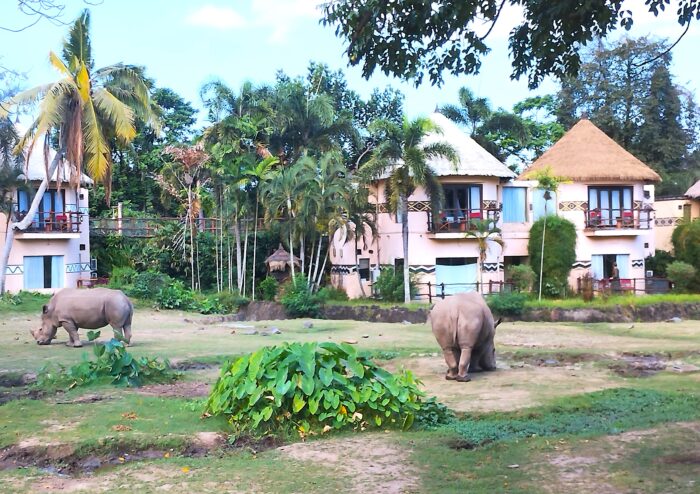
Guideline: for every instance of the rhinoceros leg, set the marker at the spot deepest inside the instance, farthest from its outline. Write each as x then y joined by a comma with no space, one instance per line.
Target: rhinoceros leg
451,359
464,359
73,338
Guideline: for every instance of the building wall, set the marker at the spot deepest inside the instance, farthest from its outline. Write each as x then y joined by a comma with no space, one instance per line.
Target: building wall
669,214
425,247
76,262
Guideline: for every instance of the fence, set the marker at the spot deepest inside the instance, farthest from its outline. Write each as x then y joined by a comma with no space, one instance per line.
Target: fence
632,286
441,290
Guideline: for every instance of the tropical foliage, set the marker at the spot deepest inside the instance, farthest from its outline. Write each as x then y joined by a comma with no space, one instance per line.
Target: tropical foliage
552,258
312,388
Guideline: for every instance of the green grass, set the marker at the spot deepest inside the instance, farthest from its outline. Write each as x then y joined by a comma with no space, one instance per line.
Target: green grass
367,302
604,412
22,302
630,300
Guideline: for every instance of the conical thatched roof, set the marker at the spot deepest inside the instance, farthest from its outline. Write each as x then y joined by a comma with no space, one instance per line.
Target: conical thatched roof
473,159
279,260
694,191
586,153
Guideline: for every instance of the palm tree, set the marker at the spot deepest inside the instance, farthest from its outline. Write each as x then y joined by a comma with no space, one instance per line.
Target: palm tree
484,231
497,131
10,168
87,110
361,220
406,161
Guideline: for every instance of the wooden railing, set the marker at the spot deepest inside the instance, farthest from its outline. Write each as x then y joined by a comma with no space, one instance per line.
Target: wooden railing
149,227
54,222
459,220
607,218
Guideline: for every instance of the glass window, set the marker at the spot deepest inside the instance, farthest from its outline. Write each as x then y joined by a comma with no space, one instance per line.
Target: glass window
43,272
543,204
364,269
462,201
514,205
610,202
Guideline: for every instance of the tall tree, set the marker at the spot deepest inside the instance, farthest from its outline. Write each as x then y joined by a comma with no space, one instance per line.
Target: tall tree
405,159
86,110
412,39
485,232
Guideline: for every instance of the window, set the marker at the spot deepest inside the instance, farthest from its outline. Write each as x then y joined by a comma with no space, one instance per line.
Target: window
514,206
603,265
462,201
610,203
43,272
455,275
53,203
544,202
364,269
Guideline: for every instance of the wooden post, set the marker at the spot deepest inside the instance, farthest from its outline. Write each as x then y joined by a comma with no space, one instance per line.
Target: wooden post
443,289
430,295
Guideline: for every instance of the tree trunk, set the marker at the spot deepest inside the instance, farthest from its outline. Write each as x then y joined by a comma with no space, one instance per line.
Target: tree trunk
26,221
255,244
323,267
245,256
357,267
544,230
237,236
404,234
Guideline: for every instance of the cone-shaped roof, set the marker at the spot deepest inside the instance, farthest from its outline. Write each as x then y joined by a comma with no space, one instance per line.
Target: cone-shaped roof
586,153
280,256
473,159
694,191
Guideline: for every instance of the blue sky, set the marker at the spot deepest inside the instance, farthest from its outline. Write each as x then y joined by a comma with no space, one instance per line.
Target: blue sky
185,43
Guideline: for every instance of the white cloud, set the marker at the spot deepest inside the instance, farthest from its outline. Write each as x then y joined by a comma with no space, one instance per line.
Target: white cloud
216,17
282,16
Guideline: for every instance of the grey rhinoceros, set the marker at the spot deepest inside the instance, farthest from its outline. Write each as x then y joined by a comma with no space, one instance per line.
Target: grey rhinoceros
87,308
464,328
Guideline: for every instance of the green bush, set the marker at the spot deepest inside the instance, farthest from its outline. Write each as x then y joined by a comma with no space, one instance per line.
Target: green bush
389,285
227,302
112,361
312,388
659,262
507,304
268,288
330,293
174,295
686,246
559,254
682,275
147,285
298,300
522,277
122,277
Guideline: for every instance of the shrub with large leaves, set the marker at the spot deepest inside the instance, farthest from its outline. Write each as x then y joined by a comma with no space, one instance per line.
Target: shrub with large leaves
312,388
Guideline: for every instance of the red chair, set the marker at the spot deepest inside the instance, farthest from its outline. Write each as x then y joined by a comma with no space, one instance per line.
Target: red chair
627,218
594,217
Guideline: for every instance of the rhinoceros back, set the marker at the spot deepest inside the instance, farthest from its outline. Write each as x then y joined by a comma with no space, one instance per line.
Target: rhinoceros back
92,308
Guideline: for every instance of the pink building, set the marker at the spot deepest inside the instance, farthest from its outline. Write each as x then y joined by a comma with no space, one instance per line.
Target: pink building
54,252
609,200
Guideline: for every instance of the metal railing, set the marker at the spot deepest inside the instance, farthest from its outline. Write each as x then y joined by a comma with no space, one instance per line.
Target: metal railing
54,222
459,220
430,290
621,286
607,218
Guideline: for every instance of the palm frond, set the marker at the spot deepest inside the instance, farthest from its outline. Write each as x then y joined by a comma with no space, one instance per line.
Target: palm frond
119,115
58,64
77,45
96,149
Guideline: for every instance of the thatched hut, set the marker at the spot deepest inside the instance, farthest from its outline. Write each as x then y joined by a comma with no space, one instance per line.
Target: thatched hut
279,264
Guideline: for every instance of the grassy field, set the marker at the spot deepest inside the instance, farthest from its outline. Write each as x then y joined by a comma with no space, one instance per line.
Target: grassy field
571,408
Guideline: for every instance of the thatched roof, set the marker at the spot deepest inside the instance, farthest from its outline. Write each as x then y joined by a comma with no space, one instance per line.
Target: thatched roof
473,159
586,153
36,168
694,191
279,260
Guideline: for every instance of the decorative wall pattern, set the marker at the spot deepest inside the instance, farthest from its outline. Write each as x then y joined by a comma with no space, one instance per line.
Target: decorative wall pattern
491,267
424,269
637,205
581,265
413,207
573,206
638,263
14,269
343,269
490,205
668,221
78,267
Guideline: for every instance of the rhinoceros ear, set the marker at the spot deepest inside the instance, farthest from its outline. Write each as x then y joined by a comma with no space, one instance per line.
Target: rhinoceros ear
45,309
498,321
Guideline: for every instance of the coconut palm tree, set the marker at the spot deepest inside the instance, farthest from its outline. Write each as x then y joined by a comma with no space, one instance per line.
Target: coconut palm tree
361,222
484,231
87,109
10,168
404,160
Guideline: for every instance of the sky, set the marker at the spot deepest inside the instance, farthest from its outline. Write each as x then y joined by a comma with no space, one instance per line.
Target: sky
186,43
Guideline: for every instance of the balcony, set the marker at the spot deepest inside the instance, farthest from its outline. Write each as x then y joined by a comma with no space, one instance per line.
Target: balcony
64,224
454,223
616,222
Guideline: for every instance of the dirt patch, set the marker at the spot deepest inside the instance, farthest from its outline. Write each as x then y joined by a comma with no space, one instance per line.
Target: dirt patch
638,366
370,460
189,365
185,389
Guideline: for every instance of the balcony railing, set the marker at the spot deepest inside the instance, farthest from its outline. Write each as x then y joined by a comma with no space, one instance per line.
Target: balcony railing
54,222
608,218
459,220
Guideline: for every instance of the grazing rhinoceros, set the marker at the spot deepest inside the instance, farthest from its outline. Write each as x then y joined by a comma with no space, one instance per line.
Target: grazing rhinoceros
88,308
464,328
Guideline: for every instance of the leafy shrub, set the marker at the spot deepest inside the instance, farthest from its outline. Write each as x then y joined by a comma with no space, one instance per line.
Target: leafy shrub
686,246
298,300
112,361
522,277
148,284
586,287
330,293
507,304
659,262
313,388
389,285
268,288
681,274
559,253
174,295
227,302
122,277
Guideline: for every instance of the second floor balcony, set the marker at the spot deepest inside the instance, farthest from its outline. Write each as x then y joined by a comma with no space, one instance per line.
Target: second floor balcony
51,224
459,220
618,220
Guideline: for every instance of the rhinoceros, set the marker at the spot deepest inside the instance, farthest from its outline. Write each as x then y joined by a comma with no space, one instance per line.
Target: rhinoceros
464,328
87,308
